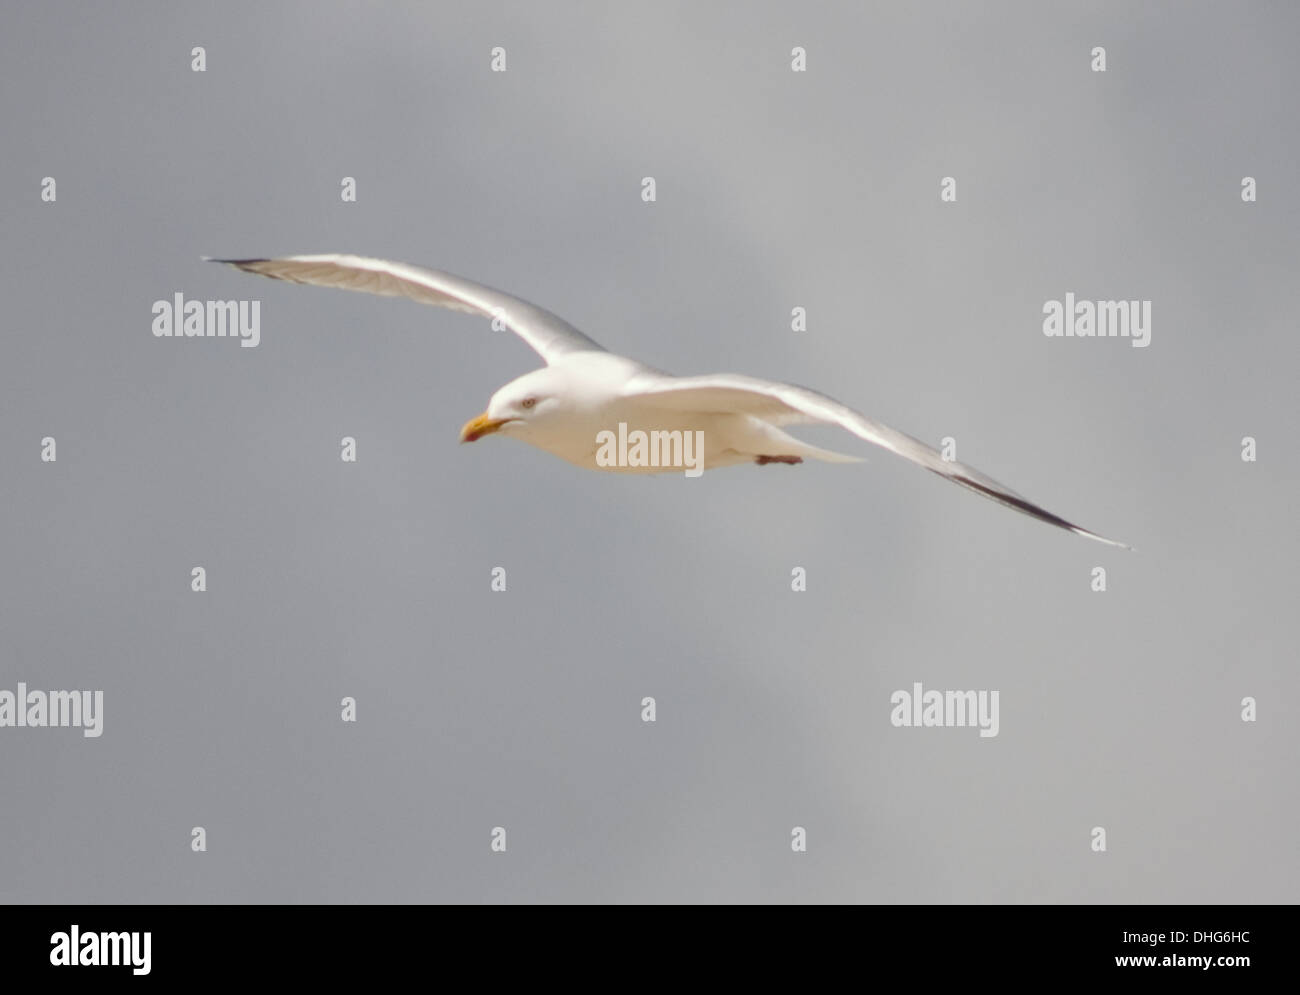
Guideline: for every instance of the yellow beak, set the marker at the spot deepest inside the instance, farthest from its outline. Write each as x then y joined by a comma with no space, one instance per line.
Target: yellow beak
478,427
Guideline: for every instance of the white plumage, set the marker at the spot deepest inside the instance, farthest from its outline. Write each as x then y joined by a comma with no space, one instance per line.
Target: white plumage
584,391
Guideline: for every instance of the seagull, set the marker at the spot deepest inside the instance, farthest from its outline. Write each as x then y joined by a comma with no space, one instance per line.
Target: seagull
585,393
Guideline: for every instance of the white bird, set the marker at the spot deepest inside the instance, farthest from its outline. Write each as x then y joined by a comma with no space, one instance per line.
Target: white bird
585,393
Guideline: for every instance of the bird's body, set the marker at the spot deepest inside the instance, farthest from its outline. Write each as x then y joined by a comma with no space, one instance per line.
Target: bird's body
605,412
600,392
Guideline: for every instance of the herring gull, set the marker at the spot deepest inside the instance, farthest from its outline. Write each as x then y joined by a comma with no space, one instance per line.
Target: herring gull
585,393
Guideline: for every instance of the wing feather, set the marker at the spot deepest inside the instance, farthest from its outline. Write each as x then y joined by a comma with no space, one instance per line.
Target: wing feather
549,335
783,404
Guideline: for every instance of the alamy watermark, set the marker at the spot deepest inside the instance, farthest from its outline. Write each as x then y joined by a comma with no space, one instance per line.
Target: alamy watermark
920,708
179,318
1098,319
24,709
102,949
651,449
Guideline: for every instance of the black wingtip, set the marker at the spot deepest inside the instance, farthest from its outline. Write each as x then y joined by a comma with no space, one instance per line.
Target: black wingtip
231,262
1034,511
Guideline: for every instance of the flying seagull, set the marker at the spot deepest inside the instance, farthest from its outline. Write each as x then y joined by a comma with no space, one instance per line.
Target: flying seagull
585,393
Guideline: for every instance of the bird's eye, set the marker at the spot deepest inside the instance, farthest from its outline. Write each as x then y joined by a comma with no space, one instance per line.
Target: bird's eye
528,402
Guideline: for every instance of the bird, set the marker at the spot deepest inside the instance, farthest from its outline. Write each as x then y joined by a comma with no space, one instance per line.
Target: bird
584,396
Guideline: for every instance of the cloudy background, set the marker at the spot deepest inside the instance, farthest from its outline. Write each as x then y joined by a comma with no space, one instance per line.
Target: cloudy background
522,709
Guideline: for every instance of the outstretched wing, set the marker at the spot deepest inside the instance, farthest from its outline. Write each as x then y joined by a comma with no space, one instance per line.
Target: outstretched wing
549,335
785,404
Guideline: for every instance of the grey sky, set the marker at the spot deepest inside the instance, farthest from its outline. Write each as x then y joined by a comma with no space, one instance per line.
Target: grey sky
775,189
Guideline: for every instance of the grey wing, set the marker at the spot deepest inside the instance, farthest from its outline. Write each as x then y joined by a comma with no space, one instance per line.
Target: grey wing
549,335
785,404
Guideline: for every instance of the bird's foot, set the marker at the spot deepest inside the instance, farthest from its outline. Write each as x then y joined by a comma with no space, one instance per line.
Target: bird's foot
764,460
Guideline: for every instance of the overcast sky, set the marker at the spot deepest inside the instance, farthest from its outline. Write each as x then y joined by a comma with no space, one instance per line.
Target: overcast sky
522,709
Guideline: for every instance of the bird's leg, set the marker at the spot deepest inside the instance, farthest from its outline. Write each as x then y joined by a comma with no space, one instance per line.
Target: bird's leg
764,460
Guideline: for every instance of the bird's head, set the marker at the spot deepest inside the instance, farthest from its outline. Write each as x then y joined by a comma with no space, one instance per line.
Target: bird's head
518,407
